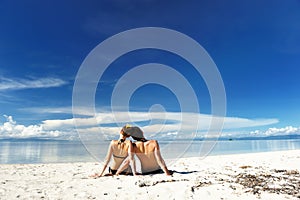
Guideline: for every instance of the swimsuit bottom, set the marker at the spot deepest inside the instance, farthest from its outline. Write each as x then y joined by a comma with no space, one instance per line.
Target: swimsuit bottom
158,171
114,171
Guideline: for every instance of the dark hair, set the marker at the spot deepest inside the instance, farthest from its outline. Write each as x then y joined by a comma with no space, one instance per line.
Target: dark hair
139,139
120,141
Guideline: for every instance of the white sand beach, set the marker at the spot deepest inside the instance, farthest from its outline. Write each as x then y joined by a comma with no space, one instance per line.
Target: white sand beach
271,175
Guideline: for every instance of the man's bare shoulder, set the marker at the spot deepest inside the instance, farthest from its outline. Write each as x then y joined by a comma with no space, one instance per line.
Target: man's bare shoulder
152,142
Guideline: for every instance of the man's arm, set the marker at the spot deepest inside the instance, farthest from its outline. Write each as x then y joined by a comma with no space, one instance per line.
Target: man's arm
160,160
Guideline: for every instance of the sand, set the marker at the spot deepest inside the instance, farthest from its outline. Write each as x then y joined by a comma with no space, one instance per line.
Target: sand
270,175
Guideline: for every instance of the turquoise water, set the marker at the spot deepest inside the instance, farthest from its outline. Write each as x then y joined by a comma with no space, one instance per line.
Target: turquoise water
74,151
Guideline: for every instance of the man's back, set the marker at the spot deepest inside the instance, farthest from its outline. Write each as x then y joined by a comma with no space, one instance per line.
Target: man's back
146,147
148,153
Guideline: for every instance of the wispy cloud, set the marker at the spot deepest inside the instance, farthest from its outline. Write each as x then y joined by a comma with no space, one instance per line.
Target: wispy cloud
155,125
20,84
104,116
187,118
49,110
82,111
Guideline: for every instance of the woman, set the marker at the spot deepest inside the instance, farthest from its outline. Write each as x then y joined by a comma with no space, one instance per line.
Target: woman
146,150
119,150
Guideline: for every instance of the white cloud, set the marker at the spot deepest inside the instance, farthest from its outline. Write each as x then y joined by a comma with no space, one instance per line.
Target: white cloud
19,84
276,131
10,129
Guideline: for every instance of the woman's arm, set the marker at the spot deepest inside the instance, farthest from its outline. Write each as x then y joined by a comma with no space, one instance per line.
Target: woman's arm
107,159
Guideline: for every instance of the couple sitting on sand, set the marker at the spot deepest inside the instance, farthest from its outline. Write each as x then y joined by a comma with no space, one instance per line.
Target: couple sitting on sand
122,152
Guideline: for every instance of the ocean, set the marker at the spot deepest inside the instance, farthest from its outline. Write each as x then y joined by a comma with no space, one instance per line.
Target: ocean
57,151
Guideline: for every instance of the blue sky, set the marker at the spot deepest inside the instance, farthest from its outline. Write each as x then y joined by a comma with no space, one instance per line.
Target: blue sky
255,45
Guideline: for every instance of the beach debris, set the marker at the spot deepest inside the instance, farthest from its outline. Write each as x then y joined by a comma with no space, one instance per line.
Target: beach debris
142,183
274,181
200,184
245,166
